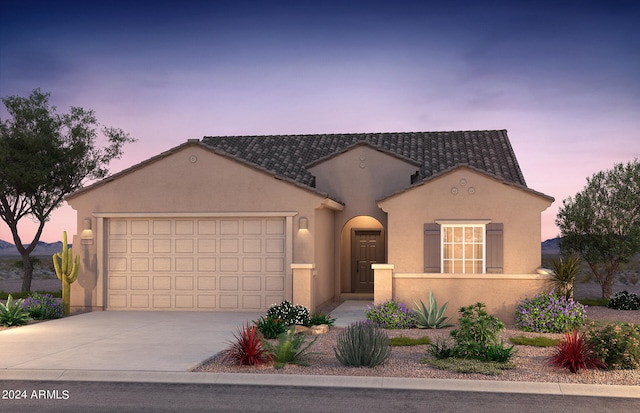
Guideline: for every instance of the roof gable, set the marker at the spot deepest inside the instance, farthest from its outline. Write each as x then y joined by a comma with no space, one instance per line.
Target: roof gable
476,170
362,144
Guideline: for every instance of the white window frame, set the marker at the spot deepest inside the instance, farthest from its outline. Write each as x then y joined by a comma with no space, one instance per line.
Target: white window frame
444,225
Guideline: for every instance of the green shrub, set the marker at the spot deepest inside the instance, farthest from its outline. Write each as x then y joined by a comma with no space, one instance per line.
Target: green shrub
408,342
477,336
432,317
617,344
496,352
624,300
362,344
476,327
391,315
320,318
440,350
289,314
289,349
270,327
42,306
549,313
12,313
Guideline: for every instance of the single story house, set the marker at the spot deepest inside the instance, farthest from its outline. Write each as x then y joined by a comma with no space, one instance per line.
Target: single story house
242,222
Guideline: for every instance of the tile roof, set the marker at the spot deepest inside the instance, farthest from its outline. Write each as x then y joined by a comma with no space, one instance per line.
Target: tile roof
435,152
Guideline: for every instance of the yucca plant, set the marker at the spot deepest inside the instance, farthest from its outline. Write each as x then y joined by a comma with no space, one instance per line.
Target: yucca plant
564,274
247,347
12,313
432,317
362,344
575,353
289,349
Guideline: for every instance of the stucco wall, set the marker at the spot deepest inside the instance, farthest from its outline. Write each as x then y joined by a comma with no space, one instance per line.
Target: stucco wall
500,292
358,177
465,194
192,179
325,279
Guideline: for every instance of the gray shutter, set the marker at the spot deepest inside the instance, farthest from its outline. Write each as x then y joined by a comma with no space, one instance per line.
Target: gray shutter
494,248
432,248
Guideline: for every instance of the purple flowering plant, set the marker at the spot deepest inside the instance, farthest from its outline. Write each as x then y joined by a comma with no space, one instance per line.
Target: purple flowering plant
391,315
42,306
549,313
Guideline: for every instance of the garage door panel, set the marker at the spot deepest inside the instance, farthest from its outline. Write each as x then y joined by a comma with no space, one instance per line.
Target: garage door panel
195,264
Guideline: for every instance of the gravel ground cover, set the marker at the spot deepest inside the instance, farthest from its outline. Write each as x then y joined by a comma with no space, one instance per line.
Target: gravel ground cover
405,361
530,361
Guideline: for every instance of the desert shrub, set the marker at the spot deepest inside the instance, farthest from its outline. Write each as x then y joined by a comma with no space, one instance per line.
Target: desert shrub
440,350
362,344
574,353
247,347
42,306
289,314
391,315
477,335
617,344
270,327
624,300
549,313
290,349
433,316
12,313
564,274
320,318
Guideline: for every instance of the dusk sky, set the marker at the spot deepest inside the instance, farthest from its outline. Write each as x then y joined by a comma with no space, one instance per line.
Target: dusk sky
563,77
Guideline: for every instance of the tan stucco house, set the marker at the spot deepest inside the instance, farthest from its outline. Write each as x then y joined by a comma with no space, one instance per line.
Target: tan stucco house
242,222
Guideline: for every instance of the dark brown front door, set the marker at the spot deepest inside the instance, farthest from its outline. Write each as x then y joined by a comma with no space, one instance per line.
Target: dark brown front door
367,247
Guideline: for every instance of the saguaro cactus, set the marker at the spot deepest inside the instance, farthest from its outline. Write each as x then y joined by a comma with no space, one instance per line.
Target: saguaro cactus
67,271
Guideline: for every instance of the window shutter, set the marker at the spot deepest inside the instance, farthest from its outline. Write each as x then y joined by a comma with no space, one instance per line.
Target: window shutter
494,248
432,248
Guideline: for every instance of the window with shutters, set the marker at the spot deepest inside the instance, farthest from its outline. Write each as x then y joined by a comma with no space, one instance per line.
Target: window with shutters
459,247
463,249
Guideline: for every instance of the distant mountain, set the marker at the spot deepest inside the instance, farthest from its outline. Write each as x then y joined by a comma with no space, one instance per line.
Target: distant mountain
43,248
551,246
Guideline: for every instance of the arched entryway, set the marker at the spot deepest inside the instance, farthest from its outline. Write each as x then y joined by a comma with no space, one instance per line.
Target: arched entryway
362,243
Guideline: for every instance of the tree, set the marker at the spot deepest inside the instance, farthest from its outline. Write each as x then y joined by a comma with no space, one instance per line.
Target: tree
602,223
43,157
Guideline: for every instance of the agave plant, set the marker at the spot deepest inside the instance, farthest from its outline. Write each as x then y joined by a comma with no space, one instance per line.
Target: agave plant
289,349
12,313
432,317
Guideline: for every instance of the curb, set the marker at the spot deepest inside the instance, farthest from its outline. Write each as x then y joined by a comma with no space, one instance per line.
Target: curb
295,380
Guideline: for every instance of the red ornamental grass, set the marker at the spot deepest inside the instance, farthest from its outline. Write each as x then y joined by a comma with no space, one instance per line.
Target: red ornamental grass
246,347
574,353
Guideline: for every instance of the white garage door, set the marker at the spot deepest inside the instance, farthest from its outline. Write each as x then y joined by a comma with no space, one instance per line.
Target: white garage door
195,264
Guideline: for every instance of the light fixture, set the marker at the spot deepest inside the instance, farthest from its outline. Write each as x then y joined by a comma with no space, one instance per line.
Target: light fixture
86,237
303,223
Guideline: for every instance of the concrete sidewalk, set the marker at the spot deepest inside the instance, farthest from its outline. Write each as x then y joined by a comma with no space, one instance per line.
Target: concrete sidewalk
118,346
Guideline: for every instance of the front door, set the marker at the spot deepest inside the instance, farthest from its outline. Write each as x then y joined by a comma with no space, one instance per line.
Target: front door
367,247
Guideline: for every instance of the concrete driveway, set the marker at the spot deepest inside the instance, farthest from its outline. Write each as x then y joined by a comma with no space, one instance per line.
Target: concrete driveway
121,341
